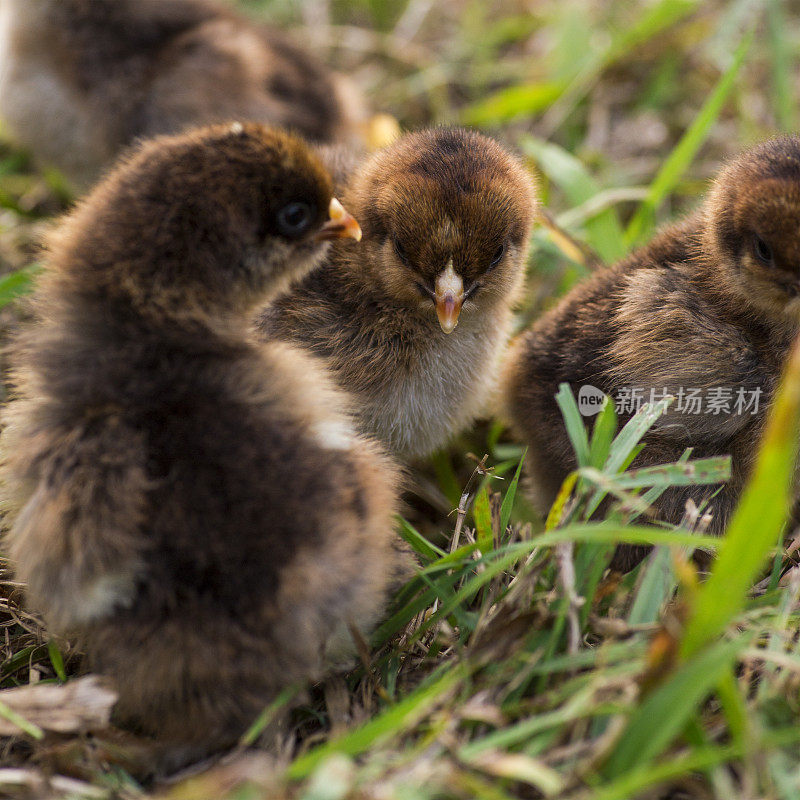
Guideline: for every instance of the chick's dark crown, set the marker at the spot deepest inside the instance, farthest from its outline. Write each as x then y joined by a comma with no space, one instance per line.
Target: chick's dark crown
191,210
235,174
754,211
445,194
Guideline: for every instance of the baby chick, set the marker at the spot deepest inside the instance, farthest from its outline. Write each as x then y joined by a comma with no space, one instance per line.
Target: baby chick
81,79
196,507
708,310
414,320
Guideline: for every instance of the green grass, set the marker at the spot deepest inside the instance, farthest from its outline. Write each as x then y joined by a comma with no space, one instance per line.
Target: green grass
513,665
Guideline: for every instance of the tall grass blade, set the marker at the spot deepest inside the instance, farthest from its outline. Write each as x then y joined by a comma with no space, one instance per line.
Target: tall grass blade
663,714
657,585
604,234
782,68
424,548
605,427
629,437
684,152
574,424
758,521
507,505
482,514
655,18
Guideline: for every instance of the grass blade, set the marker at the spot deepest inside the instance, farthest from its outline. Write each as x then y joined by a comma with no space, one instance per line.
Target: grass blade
605,427
663,714
57,660
655,18
482,514
626,446
17,284
630,436
780,56
701,471
400,717
604,234
574,424
508,501
758,521
421,545
636,781
255,730
512,103
684,152
34,731
657,585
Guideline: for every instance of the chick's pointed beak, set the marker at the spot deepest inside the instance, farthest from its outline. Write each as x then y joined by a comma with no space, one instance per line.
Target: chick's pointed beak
449,296
341,224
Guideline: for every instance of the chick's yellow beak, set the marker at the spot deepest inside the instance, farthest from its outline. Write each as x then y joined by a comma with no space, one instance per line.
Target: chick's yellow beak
341,225
449,296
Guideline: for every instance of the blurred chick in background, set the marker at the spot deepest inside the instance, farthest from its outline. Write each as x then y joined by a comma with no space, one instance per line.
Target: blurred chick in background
413,322
711,305
196,508
81,79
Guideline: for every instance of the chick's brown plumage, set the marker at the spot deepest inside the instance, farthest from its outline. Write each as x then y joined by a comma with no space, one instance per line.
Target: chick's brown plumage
711,305
195,507
82,79
414,320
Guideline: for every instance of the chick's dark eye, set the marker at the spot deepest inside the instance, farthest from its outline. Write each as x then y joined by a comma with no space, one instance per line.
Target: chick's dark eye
762,250
401,251
295,219
498,255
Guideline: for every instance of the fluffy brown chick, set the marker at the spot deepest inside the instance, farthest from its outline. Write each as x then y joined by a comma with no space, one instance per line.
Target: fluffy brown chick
81,79
414,320
712,303
196,508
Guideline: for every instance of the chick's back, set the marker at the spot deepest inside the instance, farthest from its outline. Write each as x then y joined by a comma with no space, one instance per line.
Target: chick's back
83,79
653,323
195,508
